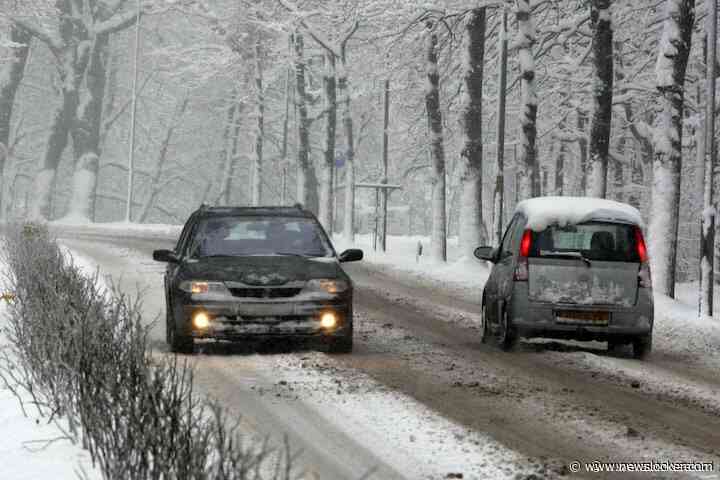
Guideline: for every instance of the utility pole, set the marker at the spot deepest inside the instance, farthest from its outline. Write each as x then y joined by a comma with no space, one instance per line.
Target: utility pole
707,234
499,199
133,113
386,124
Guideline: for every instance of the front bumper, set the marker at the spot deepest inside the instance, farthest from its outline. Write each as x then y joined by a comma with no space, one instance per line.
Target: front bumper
233,319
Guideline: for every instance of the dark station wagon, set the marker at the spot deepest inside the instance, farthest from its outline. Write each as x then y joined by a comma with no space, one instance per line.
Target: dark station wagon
247,272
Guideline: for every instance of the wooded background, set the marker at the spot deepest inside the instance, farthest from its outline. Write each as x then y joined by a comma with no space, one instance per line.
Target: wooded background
249,102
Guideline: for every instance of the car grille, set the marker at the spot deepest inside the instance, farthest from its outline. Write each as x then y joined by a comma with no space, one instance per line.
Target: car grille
265,292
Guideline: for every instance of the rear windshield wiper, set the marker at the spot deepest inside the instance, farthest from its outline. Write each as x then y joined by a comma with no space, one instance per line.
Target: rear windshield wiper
578,255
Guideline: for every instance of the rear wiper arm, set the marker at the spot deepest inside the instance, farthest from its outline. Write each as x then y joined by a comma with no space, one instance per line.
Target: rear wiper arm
569,254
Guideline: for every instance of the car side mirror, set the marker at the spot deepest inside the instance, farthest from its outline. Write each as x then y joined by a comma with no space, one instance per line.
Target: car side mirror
165,256
486,253
351,255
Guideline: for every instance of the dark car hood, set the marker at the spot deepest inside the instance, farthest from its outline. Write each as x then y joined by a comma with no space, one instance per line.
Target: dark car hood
261,270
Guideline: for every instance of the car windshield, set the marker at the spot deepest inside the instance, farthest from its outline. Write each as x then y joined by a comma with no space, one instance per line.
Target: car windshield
613,242
240,236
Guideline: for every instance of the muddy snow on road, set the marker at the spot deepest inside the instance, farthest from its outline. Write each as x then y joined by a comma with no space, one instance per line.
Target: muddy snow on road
421,397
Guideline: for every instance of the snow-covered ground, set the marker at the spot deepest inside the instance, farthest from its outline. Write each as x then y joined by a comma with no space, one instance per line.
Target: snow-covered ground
403,433
30,448
460,275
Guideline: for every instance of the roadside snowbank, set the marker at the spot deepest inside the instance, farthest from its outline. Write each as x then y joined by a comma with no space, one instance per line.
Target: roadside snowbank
462,276
121,229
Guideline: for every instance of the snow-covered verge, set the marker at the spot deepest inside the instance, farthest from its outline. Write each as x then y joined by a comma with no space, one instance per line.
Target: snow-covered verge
120,229
30,448
462,276
85,352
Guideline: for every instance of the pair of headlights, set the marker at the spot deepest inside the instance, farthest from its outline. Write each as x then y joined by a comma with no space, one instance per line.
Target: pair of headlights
316,285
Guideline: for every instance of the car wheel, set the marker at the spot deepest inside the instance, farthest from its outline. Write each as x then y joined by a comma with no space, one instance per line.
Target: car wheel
177,343
484,332
642,346
342,344
507,337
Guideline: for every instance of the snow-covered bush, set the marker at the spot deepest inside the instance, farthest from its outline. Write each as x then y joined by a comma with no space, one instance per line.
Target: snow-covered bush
82,354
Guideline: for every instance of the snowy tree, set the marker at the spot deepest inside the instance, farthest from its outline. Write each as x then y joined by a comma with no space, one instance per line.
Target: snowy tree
528,174
602,45
257,170
471,226
673,53
344,88
11,74
78,42
306,181
438,240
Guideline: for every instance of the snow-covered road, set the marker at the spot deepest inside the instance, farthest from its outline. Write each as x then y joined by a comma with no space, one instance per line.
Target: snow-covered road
421,398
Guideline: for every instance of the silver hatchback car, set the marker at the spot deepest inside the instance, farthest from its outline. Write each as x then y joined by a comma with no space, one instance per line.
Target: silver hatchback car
570,268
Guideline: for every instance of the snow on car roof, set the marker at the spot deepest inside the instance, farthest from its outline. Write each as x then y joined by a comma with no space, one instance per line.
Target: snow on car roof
544,211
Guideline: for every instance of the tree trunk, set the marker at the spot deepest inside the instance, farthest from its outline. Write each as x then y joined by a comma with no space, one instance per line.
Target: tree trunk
471,228
709,234
385,158
343,86
560,167
86,132
232,124
600,19
583,147
438,245
499,194
670,71
260,129
328,165
156,184
618,164
10,77
306,181
528,178
73,61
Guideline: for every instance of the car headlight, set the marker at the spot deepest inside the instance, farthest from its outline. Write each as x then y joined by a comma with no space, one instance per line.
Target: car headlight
327,285
202,287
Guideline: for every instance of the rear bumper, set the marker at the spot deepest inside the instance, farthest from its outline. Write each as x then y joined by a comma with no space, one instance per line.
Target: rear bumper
533,319
235,320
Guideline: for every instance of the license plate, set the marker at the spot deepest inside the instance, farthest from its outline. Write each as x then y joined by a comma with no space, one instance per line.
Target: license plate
582,318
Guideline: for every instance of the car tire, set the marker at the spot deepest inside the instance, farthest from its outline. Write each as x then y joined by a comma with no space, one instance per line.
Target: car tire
614,347
507,336
484,331
642,346
343,344
177,343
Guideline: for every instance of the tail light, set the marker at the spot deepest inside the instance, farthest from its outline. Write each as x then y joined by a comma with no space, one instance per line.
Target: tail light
640,245
644,277
521,269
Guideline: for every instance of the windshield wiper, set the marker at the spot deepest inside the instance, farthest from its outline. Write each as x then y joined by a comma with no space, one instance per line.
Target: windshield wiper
577,255
217,255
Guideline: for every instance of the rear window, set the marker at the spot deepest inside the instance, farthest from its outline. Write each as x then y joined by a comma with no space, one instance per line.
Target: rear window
612,242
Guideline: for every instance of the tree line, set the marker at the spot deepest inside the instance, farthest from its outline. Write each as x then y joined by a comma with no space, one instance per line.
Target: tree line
277,101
